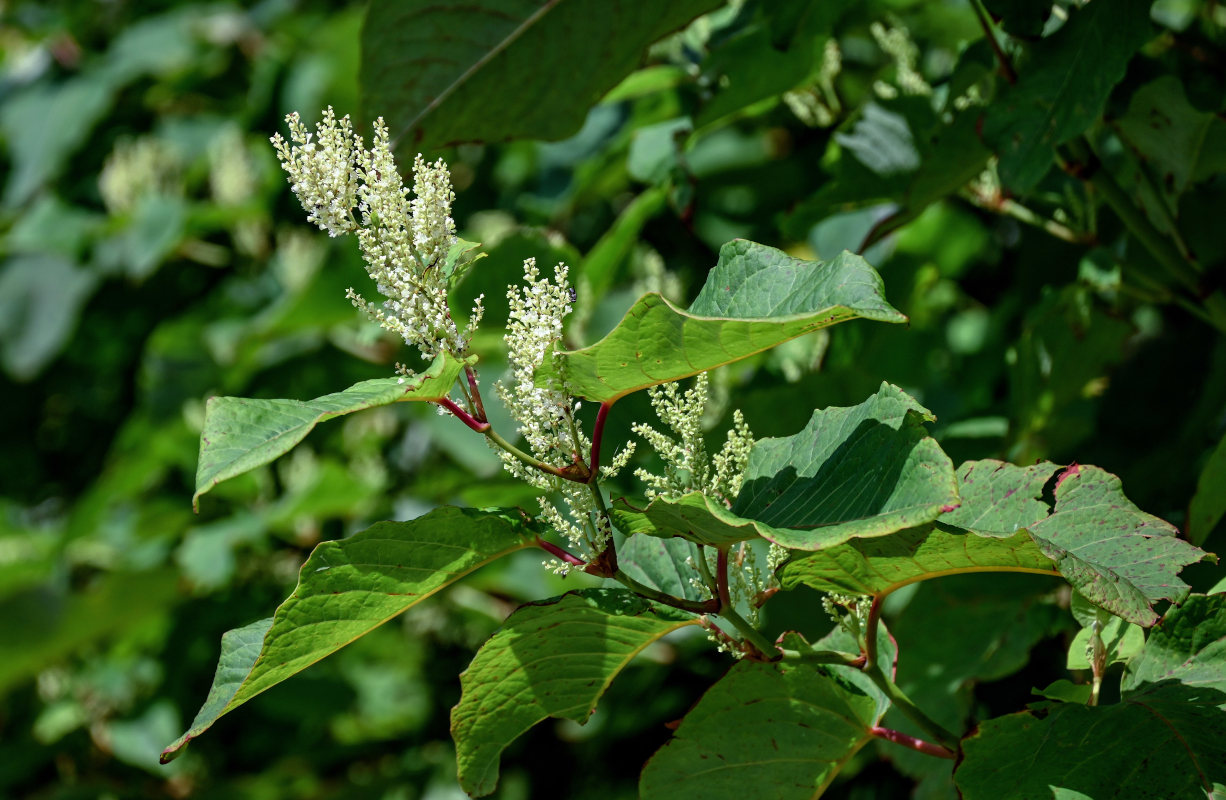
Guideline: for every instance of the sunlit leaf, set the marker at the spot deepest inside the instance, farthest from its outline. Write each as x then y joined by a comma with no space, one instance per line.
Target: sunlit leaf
348,588
756,297
550,659
241,434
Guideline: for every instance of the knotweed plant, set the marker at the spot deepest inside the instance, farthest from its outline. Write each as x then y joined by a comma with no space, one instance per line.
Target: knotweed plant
858,504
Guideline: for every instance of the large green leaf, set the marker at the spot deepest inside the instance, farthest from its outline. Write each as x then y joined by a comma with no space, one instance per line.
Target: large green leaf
550,659
493,70
348,588
1115,554
999,498
241,434
866,470
1168,741
1062,88
1189,646
766,730
880,566
755,298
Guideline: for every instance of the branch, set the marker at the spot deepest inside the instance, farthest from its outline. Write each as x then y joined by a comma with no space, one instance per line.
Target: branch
560,553
898,737
693,606
1006,69
597,437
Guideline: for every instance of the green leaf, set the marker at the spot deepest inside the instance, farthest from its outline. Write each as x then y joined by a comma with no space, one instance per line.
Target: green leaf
1115,554
866,470
42,625
881,566
1182,144
755,298
40,298
1121,639
1065,691
1167,741
241,434
660,564
348,588
523,69
1062,88
550,659
1209,502
999,498
1189,646
766,730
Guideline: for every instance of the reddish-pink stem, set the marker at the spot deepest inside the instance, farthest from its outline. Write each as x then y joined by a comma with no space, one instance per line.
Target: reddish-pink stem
597,437
558,552
463,416
475,392
721,577
919,745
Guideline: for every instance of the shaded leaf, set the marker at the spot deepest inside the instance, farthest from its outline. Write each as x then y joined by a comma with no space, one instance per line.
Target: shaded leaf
1121,640
865,470
755,298
241,434
1183,144
1168,741
550,659
435,87
766,730
1209,502
348,588
1062,88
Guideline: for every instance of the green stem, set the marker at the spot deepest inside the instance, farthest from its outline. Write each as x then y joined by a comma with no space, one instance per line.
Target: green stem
694,606
704,570
751,634
910,709
813,656
872,668
531,461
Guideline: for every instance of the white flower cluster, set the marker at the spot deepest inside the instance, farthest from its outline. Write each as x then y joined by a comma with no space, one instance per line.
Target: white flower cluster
546,414
403,241
897,44
687,467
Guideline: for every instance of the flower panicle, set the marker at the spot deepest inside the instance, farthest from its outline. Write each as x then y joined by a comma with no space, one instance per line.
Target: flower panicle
348,189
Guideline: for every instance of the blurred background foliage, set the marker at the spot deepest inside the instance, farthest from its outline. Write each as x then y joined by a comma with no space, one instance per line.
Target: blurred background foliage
153,256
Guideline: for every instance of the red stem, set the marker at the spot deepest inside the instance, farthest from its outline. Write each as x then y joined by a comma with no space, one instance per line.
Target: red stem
597,436
870,632
721,577
558,552
919,745
478,406
463,416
